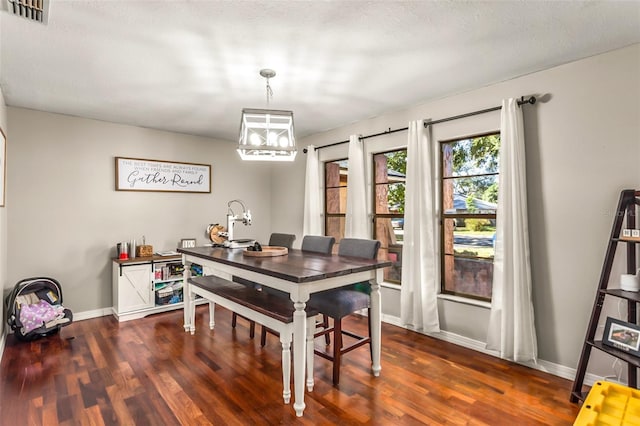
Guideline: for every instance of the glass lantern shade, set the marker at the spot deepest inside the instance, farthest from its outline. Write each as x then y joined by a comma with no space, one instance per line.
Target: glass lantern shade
267,135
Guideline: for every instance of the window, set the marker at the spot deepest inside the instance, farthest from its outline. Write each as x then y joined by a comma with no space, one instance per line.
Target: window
389,176
469,196
335,201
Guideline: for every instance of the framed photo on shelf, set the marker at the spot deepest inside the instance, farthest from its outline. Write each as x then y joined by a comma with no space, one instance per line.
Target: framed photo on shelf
622,335
187,242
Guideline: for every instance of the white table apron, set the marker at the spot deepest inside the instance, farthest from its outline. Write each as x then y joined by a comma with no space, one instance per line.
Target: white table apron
299,294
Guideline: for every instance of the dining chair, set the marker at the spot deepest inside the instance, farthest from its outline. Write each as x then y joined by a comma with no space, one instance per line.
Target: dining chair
338,303
318,244
314,243
276,239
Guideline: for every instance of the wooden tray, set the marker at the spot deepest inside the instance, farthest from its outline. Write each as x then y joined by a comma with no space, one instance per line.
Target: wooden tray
267,251
637,239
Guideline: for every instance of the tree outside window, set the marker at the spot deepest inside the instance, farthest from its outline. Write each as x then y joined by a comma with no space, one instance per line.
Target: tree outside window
335,205
389,175
469,202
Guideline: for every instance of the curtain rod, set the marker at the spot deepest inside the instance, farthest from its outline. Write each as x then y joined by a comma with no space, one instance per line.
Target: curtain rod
531,100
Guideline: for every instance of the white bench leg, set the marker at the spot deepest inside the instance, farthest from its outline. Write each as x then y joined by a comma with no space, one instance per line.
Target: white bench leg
192,313
285,338
212,308
311,329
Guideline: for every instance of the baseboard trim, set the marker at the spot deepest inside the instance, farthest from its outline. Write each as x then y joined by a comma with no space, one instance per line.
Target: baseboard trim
476,345
96,313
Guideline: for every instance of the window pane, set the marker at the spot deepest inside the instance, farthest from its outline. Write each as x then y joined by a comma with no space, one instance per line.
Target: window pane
468,277
335,227
390,167
472,156
468,257
469,237
336,201
335,206
390,198
335,173
470,195
389,231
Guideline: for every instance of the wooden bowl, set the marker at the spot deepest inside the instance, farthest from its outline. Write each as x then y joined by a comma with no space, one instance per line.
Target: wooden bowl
267,251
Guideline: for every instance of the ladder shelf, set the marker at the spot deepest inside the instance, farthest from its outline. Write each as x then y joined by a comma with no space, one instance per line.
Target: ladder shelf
626,210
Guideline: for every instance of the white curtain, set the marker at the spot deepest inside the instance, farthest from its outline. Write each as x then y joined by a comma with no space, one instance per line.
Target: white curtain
511,325
357,222
312,221
420,261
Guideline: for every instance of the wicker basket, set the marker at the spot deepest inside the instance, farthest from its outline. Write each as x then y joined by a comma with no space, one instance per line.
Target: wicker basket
144,251
168,295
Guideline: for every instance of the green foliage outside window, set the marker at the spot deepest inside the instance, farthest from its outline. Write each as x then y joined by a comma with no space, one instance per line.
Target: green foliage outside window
476,156
397,162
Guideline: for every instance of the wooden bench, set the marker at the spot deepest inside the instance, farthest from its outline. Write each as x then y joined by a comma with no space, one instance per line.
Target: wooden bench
266,309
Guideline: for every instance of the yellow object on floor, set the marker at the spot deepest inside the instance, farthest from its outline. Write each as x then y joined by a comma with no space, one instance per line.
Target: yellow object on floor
610,404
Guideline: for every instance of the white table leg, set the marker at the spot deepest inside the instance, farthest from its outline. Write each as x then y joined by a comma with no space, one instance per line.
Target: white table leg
212,311
192,313
311,329
285,339
376,329
186,294
299,355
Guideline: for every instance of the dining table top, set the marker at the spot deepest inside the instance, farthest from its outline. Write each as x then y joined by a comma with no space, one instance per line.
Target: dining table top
296,266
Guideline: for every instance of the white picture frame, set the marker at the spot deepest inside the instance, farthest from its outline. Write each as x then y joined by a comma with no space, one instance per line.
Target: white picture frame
188,243
139,174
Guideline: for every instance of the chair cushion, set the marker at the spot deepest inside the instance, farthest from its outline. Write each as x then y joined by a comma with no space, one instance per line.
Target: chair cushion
339,303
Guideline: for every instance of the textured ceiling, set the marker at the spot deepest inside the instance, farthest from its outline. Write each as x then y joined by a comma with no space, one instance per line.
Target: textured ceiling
191,66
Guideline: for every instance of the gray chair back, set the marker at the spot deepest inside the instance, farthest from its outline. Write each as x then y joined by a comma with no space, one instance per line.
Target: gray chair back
318,243
282,240
359,247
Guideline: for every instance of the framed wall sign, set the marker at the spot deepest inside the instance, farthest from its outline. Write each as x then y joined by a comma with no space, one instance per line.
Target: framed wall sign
3,165
137,174
622,335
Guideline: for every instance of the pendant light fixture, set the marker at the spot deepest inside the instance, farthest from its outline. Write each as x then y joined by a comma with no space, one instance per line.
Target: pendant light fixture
267,134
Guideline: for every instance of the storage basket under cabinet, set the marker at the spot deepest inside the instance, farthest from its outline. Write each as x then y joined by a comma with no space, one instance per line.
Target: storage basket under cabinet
168,295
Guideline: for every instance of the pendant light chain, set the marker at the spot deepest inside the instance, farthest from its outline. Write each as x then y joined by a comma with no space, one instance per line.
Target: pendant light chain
269,92
267,74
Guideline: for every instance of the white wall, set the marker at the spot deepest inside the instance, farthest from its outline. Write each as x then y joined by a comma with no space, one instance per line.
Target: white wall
65,216
3,225
286,205
583,147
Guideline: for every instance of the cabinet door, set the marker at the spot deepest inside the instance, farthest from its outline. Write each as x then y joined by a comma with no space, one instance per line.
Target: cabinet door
134,288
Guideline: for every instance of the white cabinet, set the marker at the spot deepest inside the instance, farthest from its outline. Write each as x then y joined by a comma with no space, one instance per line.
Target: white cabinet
144,286
132,289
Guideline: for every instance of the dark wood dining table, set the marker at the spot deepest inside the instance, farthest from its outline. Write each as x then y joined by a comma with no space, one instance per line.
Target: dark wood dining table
298,273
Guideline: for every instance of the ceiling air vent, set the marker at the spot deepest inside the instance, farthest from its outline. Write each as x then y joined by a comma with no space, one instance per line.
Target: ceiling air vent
34,10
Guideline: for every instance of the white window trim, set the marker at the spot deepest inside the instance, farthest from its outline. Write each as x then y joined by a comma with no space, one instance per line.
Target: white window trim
447,297
387,284
465,300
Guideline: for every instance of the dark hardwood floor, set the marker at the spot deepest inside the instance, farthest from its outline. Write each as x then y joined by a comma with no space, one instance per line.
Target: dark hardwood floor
150,372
